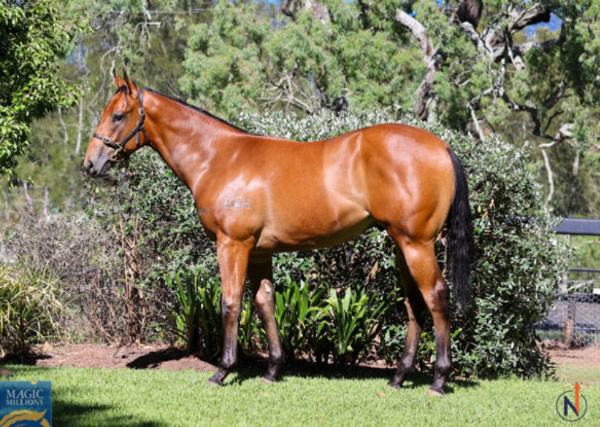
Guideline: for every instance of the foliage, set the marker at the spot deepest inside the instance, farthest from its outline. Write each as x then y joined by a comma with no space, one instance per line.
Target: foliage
92,262
148,39
35,34
173,237
197,313
30,308
297,313
246,58
352,322
188,316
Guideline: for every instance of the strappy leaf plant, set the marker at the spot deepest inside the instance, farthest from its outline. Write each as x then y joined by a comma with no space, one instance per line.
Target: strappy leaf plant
198,319
351,322
297,312
30,309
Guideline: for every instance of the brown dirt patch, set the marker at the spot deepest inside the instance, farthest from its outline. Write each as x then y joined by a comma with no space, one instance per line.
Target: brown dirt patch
589,356
107,356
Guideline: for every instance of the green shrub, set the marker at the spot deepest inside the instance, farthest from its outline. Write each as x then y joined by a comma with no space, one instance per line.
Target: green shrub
30,309
197,315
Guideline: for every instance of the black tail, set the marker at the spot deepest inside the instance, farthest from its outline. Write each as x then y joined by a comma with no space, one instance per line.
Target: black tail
460,235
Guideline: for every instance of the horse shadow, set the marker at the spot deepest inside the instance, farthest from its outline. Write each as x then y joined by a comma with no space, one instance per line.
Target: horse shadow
251,367
155,358
26,359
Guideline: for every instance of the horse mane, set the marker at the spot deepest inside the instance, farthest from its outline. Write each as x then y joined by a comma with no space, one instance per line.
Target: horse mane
198,109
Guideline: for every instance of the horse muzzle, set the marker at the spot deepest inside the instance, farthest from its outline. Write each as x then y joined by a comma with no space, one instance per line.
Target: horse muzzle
98,167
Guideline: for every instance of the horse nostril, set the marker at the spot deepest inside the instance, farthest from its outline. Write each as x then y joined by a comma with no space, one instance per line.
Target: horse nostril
90,167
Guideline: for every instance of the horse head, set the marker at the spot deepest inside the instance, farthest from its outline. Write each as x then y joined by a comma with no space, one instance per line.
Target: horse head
121,121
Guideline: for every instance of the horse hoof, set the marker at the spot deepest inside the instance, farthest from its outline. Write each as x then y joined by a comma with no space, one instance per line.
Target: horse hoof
395,385
434,393
215,382
268,380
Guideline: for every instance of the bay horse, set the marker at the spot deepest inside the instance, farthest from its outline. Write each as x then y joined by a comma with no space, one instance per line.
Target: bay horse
258,195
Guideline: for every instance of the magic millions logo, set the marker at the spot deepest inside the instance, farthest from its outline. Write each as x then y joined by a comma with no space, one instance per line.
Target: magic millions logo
25,403
572,404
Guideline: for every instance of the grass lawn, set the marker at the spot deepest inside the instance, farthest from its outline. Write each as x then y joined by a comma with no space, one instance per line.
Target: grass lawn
126,397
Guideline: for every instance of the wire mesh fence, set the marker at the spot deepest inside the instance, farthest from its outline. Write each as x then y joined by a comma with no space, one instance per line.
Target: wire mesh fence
573,321
570,335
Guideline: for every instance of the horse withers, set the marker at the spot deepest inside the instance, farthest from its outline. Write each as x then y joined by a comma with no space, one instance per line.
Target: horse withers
258,195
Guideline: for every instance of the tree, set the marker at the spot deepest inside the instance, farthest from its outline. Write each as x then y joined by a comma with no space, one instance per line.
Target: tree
315,56
35,34
548,84
148,38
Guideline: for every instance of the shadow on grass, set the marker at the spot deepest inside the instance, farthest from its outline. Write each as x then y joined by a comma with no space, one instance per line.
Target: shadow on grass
155,358
28,359
252,367
67,413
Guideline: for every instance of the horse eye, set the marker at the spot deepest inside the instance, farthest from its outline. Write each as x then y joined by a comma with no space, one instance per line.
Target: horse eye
117,117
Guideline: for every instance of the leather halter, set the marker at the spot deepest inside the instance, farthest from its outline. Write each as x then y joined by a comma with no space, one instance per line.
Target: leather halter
120,146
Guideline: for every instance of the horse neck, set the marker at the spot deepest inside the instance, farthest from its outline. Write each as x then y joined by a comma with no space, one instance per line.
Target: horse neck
186,139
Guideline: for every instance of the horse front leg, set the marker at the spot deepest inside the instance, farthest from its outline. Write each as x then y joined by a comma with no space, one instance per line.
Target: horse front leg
233,261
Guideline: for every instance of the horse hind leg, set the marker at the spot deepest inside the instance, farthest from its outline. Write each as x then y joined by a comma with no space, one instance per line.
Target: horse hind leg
415,308
260,274
422,264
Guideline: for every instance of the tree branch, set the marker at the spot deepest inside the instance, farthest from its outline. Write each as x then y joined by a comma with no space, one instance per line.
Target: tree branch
549,175
499,34
418,30
430,57
476,123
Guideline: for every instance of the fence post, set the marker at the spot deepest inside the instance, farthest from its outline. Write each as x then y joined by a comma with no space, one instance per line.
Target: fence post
570,321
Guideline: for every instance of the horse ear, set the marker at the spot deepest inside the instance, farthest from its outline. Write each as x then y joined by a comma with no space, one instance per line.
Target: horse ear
131,88
118,81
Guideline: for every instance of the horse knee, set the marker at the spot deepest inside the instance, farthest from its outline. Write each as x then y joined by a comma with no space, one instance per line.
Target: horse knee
276,356
264,295
230,308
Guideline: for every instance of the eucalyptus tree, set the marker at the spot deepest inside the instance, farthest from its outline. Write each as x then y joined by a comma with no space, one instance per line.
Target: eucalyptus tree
314,56
148,38
484,74
34,35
